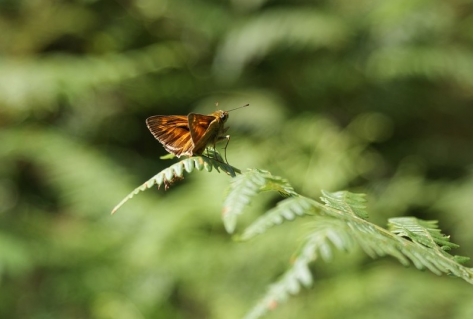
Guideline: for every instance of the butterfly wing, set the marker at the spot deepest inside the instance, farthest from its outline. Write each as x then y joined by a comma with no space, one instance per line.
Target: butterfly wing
173,132
203,129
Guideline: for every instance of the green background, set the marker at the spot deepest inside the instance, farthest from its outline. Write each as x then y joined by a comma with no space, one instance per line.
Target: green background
368,96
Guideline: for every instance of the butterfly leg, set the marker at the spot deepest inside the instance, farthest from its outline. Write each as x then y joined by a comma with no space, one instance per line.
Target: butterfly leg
211,153
227,137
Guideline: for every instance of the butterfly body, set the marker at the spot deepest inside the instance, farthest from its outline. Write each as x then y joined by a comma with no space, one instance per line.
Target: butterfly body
188,134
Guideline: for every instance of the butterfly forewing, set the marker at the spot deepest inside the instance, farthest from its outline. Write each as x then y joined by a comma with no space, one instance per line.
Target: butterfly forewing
173,132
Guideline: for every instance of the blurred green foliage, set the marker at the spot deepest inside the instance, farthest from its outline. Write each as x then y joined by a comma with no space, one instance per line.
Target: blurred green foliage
369,96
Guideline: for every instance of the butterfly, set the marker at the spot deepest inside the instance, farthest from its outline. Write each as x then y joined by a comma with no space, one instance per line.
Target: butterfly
189,134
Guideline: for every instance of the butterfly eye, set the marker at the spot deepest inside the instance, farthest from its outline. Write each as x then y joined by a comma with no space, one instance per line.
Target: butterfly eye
224,116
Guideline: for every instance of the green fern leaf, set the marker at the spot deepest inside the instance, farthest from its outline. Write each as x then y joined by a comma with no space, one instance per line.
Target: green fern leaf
376,241
421,231
346,202
427,234
176,171
276,183
461,259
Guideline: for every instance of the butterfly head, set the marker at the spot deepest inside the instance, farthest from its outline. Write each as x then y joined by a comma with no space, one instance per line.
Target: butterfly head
222,116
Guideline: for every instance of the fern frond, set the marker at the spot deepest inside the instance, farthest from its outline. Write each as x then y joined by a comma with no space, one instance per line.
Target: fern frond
176,171
338,225
246,186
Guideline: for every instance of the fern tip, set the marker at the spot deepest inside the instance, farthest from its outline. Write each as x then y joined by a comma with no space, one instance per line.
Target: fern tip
116,208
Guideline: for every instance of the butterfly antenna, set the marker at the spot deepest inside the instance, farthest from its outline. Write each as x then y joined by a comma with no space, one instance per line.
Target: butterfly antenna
239,107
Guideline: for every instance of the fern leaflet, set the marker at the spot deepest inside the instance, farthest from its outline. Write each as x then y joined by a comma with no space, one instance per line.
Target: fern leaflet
347,202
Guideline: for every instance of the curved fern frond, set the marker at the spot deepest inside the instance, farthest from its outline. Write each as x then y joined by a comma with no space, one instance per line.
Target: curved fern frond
246,186
176,171
340,222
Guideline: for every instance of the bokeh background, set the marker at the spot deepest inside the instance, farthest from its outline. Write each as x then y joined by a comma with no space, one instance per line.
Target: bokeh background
368,96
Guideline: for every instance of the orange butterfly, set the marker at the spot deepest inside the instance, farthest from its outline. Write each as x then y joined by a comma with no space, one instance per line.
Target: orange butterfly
189,135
